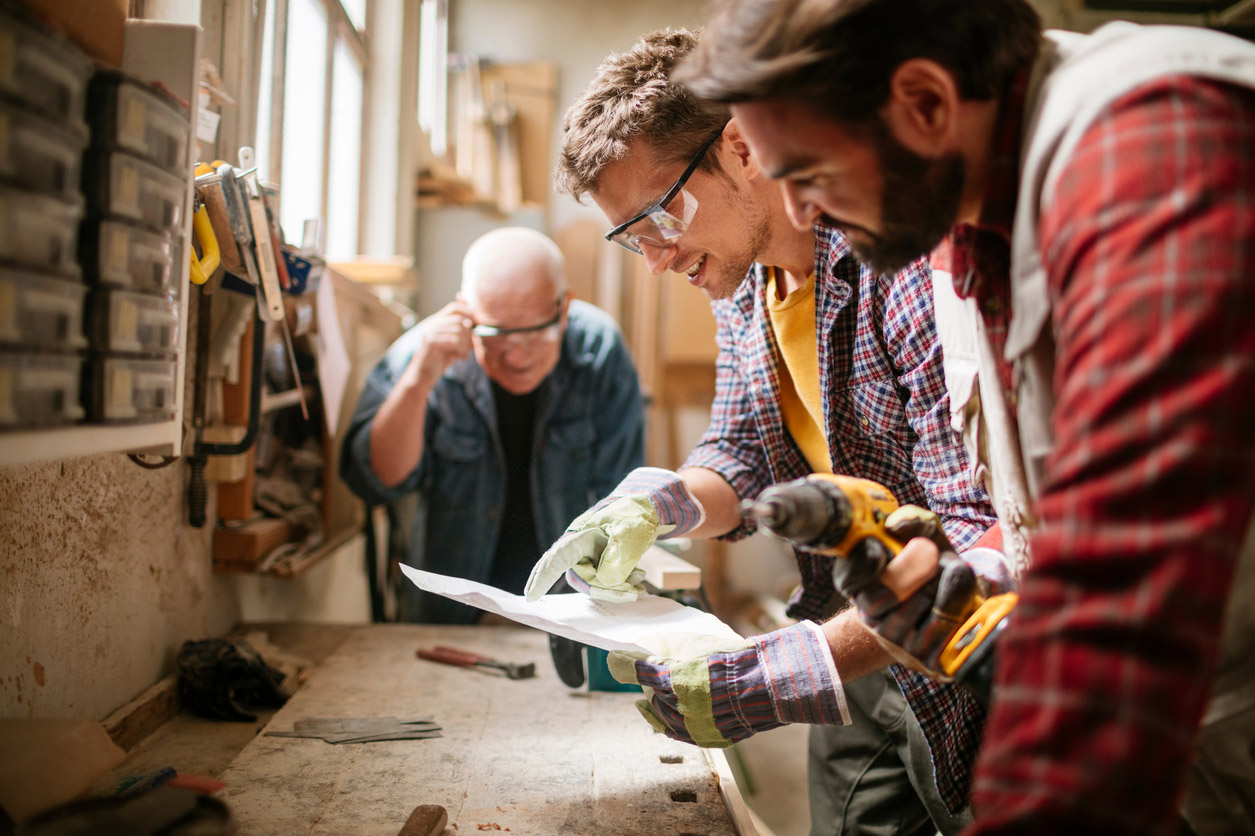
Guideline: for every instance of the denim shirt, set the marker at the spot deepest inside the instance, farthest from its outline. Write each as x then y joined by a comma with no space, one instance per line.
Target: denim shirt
589,435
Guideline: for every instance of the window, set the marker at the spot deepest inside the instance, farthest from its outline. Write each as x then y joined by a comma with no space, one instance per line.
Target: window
311,109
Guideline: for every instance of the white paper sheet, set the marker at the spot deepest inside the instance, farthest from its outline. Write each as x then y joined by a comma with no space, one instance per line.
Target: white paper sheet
650,624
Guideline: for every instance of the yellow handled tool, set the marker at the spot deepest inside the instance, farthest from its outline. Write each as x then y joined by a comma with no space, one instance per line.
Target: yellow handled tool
831,514
204,266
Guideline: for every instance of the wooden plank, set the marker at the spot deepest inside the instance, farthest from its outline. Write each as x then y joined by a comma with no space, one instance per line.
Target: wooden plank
665,571
527,756
746,821
235,499
249,543
143,715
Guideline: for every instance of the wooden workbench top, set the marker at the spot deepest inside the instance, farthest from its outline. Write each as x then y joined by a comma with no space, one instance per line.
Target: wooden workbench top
526,756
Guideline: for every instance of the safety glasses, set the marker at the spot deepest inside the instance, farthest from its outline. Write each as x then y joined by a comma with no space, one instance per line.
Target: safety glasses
665,220
494,335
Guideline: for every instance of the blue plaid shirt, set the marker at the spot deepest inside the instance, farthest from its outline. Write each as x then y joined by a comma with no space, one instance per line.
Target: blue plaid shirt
887,414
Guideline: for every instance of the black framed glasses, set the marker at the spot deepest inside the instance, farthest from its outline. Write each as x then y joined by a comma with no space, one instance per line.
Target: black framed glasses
665,220
544,331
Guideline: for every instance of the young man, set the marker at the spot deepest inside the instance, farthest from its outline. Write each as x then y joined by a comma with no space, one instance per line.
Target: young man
510,409
823,366
1094,199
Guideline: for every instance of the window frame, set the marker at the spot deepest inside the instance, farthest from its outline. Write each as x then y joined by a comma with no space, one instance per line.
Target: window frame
340,28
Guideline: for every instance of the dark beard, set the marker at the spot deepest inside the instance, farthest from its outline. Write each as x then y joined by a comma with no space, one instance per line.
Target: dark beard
919,204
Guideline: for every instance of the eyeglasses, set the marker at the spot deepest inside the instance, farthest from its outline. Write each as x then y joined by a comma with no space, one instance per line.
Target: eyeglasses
664,221
497,337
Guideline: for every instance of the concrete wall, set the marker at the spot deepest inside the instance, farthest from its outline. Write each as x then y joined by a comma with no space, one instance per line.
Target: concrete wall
101,580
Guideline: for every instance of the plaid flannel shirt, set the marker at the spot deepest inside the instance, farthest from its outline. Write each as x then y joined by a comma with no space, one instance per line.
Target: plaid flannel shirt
1104,670
887,414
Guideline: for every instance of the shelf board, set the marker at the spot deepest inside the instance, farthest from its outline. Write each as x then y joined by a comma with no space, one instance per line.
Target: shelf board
27,446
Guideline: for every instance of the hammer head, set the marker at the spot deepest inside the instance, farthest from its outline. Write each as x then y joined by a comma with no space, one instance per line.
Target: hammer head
513,671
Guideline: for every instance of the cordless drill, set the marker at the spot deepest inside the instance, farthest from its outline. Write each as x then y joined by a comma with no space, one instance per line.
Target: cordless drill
844,516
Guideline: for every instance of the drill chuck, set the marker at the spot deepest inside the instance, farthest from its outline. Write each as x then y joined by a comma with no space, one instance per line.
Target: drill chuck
808,513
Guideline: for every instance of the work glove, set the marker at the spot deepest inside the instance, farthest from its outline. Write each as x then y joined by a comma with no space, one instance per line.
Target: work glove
600,549
715,693
915,629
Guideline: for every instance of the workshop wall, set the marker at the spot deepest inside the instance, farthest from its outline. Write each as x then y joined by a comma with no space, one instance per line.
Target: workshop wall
101,580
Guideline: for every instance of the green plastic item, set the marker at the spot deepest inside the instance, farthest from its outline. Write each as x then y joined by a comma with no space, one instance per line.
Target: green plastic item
599,678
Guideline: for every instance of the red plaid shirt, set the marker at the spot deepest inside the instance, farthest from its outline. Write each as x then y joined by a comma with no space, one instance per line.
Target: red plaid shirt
1105,668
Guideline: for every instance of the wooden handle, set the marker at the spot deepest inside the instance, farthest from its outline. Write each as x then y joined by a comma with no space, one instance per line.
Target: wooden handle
449,656
468,654
426,820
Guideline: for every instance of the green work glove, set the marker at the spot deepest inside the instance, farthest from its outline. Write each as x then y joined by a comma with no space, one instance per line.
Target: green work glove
600,549
715,692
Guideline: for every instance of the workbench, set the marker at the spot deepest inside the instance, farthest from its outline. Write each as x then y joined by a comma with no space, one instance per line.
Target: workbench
527,756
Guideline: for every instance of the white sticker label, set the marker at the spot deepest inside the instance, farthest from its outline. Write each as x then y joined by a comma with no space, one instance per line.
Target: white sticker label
207,125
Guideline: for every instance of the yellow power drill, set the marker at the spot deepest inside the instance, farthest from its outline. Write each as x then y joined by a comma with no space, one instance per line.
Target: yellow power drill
831,514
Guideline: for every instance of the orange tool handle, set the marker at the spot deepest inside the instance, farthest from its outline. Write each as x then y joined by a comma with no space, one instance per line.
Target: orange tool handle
466,653
449,656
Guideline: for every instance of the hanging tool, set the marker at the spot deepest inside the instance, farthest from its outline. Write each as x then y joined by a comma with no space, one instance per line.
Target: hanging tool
209,190
426,820
263,244
203,267
201,451
831,514
453,656
269,300
269,194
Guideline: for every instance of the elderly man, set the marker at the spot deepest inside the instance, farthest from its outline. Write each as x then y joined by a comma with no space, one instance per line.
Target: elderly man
509,410
1093,198
862,397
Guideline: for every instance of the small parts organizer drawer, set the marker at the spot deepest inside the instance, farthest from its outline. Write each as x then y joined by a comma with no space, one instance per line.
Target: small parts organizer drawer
42,71
39,390
132,390
136,118
39,311
134,322
117,183
122,254
38,154
39,230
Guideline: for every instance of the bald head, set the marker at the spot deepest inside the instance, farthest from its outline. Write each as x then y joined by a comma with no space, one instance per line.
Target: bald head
512,280
512,262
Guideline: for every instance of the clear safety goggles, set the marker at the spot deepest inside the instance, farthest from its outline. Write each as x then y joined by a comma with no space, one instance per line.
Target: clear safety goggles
664,221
